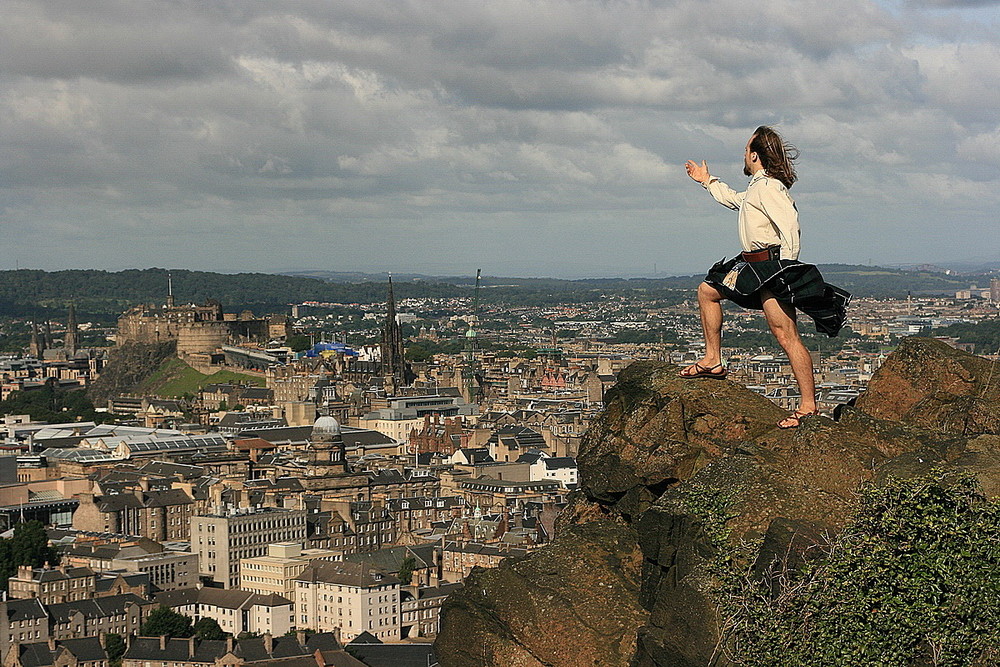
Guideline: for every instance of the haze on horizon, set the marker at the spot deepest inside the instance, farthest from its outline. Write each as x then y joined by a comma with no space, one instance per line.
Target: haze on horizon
538,138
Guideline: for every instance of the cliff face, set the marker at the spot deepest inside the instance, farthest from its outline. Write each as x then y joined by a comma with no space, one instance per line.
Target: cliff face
624,581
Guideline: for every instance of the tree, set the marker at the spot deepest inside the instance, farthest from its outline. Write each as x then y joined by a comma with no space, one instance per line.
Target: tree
166,621
406,570
298,343
114,645
28,546
208,628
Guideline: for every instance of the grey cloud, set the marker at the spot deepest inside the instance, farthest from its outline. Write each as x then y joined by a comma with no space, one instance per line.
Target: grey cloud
418,132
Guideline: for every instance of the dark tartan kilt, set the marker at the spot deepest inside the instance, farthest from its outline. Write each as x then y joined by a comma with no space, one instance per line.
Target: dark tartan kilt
790,281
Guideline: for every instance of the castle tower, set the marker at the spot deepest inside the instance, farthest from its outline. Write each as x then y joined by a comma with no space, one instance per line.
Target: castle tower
326,446
394,367
69,342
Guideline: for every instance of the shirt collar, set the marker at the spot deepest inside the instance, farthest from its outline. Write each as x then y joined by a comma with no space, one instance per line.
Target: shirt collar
759,175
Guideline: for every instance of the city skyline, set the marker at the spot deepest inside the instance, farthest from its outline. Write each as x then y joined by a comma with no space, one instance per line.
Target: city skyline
535,139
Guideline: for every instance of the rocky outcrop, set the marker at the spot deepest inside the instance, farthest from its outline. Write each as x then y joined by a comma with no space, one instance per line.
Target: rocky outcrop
625,582
129,366
926,383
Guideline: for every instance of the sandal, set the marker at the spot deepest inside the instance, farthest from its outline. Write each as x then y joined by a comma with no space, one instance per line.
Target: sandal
703,372
794,420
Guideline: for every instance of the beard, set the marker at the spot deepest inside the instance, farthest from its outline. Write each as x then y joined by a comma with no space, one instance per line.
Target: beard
746,170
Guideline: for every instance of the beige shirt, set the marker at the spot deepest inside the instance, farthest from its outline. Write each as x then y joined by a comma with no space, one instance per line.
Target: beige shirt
767,213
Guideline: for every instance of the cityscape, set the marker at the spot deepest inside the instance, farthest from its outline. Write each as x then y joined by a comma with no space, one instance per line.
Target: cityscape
324,478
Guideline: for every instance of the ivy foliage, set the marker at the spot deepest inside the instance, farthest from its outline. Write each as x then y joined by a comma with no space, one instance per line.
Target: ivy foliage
913,580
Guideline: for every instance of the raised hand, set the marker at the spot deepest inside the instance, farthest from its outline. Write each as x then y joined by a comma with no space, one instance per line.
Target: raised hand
698,172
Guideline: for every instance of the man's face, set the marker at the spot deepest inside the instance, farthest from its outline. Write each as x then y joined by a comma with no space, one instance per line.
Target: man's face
748,164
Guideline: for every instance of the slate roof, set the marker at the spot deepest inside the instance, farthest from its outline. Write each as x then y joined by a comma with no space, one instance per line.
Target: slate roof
86,649
251,649
176,650
164,498
96,607
560,462
22,610
391,559
393,655
40,574
348,574
230,598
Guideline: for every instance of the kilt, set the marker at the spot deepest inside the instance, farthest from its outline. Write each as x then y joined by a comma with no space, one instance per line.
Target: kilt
790,281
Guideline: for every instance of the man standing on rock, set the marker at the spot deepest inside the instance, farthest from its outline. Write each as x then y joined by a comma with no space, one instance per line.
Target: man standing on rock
767,274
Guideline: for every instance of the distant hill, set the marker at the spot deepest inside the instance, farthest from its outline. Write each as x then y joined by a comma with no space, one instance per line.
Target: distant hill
103,295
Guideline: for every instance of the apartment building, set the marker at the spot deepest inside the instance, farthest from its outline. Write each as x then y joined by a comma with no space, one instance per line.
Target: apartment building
222,540
353,597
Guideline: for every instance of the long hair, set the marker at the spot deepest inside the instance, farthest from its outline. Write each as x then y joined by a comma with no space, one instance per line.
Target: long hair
776,155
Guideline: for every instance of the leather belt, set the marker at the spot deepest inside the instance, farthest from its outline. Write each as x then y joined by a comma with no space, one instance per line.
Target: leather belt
769,253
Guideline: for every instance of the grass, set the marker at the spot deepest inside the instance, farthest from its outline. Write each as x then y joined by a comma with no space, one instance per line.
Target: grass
175,378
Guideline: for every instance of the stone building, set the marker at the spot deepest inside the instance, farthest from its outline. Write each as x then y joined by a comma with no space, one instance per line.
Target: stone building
198,329
349,596
83,652
160,515
52,585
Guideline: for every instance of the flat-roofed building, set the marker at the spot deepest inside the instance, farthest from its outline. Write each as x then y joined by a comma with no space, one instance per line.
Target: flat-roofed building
276,572
223,540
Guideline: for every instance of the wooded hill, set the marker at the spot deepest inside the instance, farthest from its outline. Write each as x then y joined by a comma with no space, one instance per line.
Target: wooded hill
103,295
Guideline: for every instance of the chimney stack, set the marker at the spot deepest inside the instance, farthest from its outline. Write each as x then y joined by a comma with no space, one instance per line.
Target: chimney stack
229,644
163,642
268,643
300,637
191,647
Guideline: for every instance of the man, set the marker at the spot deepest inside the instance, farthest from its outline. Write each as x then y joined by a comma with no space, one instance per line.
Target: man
767,274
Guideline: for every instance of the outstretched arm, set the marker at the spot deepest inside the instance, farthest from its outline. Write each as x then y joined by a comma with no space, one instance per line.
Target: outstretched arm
723,194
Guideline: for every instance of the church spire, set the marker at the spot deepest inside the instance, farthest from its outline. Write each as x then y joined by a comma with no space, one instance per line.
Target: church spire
69,342
37,346
394,366
170,290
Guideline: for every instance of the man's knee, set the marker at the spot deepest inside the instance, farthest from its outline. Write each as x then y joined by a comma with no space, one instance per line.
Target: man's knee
708,293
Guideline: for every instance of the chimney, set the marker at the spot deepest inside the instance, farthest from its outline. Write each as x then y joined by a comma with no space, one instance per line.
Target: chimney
229,644
103,638
300,637
191,647
163,642
144,484
268,643
52,644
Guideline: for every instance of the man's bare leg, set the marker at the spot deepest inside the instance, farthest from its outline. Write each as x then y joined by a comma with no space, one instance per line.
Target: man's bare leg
781,320
710,307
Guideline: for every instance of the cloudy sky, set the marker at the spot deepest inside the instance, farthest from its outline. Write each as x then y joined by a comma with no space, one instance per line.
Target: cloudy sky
541,137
